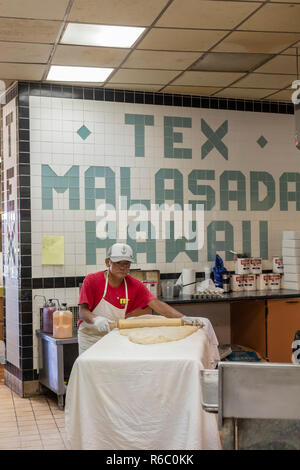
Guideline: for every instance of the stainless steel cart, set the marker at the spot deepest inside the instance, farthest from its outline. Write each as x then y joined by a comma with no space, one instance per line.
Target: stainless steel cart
56,359
258,404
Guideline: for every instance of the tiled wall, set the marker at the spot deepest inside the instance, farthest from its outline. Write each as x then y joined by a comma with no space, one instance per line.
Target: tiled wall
84,152
10,226
80,146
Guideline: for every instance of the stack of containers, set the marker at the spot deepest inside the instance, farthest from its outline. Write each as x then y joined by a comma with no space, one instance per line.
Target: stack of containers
249,276
246,270
276,278
291,259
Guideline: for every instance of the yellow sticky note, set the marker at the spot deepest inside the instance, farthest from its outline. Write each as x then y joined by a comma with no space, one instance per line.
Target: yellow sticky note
53,250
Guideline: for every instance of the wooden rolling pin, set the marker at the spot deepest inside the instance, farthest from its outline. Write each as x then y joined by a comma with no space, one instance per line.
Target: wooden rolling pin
136,323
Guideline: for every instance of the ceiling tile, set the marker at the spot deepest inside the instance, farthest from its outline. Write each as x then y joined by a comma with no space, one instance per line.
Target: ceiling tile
155,77
283,95
24,52
244,93
40,31
89,56
126,86
116,12
54,10
280,64
264,43
22,71
161,60
205,14
191,90
275,17
229,62
290,51
180,39
215,79
260,80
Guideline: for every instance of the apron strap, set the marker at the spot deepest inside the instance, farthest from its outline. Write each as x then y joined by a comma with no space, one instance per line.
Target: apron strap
126,291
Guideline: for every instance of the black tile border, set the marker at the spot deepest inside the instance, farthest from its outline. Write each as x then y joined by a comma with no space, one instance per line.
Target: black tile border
27,89
58,282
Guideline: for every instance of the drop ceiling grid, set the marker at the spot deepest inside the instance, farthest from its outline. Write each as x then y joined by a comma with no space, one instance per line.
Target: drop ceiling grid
178,35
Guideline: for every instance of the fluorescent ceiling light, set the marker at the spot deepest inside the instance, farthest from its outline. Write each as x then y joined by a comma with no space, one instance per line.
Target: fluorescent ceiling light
78,74
100,35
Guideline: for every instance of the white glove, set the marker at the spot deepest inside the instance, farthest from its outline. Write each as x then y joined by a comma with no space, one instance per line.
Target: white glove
195,321
102,324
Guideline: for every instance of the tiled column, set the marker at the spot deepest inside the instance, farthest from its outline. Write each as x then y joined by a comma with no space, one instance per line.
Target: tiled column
16,245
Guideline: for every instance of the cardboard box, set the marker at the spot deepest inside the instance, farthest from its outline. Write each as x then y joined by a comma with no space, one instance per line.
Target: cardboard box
147,275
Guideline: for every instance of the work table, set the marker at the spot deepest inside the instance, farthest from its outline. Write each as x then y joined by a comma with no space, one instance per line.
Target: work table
235,296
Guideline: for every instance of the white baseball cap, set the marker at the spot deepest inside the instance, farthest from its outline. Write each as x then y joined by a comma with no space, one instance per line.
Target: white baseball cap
120,252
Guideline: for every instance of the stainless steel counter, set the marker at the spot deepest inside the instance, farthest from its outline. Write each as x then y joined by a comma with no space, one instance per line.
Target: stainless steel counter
56,359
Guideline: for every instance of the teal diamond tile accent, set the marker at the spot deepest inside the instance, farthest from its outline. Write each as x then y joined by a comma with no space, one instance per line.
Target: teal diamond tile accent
83,132
262,141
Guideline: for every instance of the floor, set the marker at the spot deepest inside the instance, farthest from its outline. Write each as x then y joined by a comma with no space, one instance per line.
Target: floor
34,423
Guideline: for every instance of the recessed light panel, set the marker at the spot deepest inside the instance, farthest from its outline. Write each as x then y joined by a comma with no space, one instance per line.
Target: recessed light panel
101,35
78,74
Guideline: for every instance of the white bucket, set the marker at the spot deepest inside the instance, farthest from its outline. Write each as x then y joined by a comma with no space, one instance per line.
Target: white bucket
250,282
242,265
255,265
236,282
262,281
277,264
274,281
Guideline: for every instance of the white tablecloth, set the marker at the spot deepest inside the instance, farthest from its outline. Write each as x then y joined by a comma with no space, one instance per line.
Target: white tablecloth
126,396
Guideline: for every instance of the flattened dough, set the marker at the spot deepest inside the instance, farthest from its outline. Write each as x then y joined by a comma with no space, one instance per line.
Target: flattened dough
158,334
